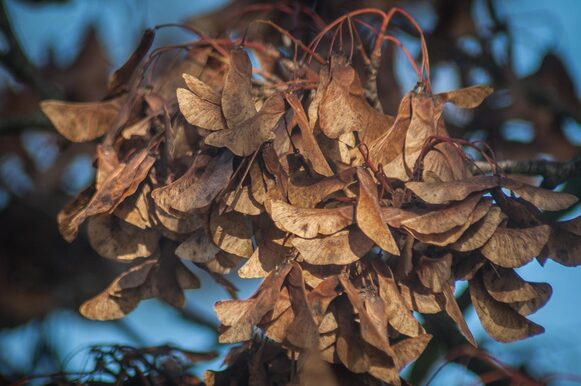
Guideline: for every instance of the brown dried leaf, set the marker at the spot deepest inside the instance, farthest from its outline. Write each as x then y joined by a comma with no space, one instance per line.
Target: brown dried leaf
237,102
242,201
135,209
444,219
506,286
528,307
399,316
271,251
498,319
303,331
390,144
179,224
420,298
197,248
310,194
121,77
198,187
308,223
467,98
368,214
115,239
454,311
312,151
564,245
435,273
541,198
344,247
223,263
350,348
120,297
343,107
240,316
119,184
82,122
246,137
373,330
512,248
444,192
232,233
479,233
199,107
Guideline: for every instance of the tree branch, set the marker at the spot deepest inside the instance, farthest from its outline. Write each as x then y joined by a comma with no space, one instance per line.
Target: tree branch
16,61
554,172
14,124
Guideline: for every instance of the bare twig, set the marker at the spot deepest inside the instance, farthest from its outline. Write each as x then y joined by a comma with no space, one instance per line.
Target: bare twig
554,172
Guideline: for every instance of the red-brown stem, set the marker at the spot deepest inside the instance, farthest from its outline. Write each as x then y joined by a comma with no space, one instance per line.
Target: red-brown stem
283,8
296,41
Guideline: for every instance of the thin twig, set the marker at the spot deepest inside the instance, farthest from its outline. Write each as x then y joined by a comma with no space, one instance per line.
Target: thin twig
553,172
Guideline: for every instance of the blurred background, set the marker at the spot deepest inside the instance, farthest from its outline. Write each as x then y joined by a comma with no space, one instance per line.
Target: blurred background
528,50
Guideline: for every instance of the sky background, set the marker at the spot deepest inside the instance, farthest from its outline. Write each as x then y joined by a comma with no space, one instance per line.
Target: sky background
539,26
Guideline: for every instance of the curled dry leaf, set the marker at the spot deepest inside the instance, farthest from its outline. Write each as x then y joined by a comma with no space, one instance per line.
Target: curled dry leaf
443,219
399,316
198,187
135,209
528,307
242,201
541,198
498,319
119,184
444,192
82,122
240,316
312,151
390,144
232,233
368,214
115,239
303,331
307,195
513,248
343,108
467,98
506,286
237,102
564,245
200,105
308,223
177,223
435,273
247,137
479,233
344,247
420,298
453,310
197,248
373,325
112,303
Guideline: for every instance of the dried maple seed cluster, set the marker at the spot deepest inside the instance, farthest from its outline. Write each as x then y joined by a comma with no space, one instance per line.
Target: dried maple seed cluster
355,219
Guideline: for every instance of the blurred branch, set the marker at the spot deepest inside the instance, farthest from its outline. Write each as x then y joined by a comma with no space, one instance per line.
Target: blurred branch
554,172
18,64
13,124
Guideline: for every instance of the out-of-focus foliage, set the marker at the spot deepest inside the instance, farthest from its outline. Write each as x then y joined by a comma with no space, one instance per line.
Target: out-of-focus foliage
296,171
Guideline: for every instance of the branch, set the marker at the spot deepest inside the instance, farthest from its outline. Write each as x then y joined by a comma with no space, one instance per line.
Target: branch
554,172
14,124
16,61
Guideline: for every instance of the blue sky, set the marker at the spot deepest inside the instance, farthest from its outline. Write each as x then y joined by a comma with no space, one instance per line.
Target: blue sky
538,27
